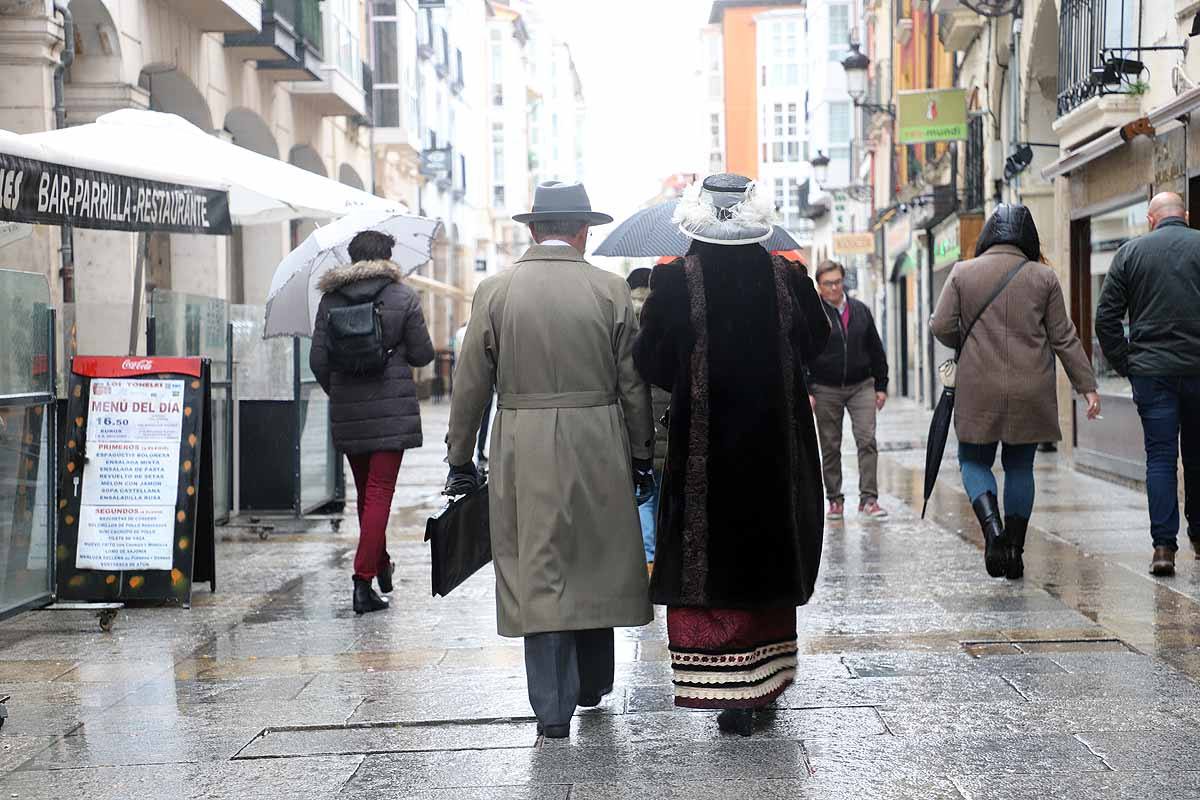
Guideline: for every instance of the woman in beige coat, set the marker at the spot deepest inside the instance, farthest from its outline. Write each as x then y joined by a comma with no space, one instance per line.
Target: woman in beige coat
1005,383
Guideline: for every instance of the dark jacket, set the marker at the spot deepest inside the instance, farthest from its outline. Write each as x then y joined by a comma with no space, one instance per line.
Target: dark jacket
1156,280
374,412
740,522
852,356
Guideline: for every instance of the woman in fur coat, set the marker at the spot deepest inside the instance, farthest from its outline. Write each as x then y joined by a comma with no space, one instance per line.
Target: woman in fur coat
726,331
376,416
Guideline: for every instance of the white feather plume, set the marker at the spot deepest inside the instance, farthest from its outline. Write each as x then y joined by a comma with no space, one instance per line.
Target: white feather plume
696,210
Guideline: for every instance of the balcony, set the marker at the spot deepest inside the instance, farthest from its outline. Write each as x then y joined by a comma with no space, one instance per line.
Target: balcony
458,85
425,37
1099,53
288,45
339,89
223,16
959,25
442,45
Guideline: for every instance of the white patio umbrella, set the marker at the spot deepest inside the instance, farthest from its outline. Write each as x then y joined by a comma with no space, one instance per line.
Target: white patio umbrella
261,189
293,297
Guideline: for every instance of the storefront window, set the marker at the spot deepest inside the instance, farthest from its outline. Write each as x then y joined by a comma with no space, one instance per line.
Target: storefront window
1108,232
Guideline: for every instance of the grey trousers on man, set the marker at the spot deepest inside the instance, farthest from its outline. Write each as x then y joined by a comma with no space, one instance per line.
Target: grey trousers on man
562,666
832,402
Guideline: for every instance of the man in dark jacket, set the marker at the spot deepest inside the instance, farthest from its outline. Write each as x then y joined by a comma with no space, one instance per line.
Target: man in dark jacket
850,375
1155,279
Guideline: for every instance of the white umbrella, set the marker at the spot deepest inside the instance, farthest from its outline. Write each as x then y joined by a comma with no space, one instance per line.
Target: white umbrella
293,298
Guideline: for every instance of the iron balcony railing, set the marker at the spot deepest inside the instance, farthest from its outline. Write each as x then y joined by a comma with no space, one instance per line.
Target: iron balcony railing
1099,50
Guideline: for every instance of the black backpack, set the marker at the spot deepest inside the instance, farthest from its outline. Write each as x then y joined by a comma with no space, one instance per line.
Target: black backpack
356,339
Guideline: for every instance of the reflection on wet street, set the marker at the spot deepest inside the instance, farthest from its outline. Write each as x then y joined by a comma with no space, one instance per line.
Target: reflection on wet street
919,676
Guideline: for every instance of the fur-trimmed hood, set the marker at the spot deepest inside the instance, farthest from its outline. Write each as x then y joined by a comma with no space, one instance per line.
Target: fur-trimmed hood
342,276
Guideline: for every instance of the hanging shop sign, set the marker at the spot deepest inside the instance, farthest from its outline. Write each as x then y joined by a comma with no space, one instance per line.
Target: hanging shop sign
932,115
853,244
136,514
39,192
437,163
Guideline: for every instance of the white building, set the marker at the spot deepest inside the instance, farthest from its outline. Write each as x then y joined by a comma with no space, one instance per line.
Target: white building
509,103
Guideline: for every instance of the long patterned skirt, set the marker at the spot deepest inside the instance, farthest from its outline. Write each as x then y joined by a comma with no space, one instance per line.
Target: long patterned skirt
729,658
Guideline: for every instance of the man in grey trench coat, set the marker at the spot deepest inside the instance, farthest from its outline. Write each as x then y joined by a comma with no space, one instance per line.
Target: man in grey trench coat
573,435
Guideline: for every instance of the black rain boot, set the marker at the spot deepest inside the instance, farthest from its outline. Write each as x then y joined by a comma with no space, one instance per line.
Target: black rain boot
365,599
736,720
385,576
995,544
1014,529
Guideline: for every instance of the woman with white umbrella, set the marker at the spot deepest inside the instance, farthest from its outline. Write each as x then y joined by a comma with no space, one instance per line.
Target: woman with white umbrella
368,336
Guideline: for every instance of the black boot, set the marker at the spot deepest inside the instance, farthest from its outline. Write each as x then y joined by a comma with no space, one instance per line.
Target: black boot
365,599
995,544
1014,529
385,577
736,720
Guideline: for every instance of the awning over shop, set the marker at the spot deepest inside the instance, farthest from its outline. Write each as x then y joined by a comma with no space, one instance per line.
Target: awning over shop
37,186
261,189
1182,106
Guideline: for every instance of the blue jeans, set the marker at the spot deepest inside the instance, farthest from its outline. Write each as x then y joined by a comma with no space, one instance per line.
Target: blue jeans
976,462
648,511
1170,412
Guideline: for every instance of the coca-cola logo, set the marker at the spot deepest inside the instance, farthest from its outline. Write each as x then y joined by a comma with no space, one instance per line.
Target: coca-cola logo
145,365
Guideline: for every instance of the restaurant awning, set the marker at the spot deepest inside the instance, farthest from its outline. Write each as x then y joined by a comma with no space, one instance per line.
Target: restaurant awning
261,189
40,186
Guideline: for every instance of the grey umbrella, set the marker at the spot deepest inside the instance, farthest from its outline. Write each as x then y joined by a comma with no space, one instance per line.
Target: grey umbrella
650,233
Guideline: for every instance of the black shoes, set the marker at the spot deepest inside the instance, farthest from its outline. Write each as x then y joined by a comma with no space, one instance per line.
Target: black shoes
736,720
995,544
554,731
365,599
1015,528
385,577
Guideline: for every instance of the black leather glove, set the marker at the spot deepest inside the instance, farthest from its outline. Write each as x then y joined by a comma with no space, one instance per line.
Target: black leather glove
461,480
643,480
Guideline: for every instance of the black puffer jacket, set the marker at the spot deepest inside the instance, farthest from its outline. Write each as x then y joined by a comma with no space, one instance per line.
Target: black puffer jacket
375,412
852,356
1156,280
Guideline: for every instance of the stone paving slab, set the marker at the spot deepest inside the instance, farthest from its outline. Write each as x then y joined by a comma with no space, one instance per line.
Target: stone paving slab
351,740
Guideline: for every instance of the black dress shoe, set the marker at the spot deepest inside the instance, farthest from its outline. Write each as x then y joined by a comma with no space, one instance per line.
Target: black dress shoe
591,699
365,599
995,543
385,577
1015,529
736,720
554,731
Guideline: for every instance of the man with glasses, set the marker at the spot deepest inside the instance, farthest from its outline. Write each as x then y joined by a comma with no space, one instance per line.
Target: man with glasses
851,375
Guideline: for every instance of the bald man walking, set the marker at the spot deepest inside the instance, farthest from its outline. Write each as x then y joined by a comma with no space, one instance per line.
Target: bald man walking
1155,280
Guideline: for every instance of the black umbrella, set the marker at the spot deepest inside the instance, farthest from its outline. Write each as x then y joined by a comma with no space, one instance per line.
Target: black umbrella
935,448
651,233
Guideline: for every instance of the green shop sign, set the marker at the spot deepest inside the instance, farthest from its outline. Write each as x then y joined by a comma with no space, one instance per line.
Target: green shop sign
932,115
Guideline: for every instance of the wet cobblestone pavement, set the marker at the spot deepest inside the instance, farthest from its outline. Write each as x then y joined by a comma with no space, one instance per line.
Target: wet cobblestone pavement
919,677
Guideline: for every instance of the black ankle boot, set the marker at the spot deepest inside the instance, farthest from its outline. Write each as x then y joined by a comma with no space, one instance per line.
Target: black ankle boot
736,720
385,577
995,544
365,599
1014,529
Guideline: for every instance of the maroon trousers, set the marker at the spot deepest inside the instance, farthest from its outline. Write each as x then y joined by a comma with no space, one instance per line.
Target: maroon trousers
375,479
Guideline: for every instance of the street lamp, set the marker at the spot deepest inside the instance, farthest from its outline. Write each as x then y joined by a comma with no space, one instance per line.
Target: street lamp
856,65
820,166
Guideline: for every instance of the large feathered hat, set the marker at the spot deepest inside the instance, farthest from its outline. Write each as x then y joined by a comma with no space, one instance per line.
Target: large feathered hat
725,209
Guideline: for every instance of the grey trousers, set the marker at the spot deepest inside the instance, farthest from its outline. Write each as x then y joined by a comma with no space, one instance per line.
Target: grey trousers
562,665
832,402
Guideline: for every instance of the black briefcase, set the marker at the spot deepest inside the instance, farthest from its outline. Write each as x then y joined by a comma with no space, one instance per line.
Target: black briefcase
460,540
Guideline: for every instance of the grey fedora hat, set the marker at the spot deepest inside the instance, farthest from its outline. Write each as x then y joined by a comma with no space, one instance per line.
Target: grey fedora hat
568,201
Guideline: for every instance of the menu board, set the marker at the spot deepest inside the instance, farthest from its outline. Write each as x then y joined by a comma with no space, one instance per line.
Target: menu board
131,477
135,507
